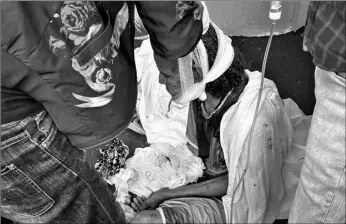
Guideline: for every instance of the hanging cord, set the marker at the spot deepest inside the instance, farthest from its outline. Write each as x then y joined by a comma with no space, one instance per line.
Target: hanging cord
255,115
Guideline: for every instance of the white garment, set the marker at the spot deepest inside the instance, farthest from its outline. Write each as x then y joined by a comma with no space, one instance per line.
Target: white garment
162,121
269,175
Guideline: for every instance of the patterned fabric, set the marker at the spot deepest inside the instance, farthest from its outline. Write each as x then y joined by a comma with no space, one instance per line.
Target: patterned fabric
79,22
112,159
325,34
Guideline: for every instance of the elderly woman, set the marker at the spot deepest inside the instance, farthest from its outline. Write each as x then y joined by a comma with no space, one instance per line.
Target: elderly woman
251,185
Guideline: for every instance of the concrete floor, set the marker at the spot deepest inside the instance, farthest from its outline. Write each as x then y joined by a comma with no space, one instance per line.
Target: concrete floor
288,65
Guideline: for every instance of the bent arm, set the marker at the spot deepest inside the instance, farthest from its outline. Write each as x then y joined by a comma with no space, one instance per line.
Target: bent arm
174,32
171,36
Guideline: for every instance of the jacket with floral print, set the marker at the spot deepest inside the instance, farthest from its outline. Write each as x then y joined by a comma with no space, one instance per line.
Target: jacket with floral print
75,59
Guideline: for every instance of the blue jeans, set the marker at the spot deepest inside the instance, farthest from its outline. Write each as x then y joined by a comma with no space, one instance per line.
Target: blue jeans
320,196
45,179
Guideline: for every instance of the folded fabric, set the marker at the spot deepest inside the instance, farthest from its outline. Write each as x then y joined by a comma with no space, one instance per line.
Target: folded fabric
152,168
162,120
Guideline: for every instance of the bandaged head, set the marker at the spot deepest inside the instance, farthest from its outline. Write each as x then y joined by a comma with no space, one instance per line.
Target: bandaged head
223,61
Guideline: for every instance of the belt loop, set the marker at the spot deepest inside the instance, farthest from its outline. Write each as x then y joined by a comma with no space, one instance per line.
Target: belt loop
38,119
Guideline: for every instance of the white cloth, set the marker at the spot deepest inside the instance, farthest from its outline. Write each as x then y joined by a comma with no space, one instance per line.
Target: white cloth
152,168
205,18
159,166
268,179
223,60
162,121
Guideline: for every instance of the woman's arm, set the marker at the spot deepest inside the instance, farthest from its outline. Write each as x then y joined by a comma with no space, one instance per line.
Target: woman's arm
216,187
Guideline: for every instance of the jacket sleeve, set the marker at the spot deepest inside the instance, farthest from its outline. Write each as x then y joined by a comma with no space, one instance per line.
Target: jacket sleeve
174,32
172,26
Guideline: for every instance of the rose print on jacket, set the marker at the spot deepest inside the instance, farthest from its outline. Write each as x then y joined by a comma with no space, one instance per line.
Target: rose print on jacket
81,21
98,79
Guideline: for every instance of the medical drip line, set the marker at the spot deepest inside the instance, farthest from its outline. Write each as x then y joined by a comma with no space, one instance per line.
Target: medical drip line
274,14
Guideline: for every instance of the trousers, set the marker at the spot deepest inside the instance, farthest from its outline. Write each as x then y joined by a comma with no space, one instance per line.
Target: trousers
320,196
45,179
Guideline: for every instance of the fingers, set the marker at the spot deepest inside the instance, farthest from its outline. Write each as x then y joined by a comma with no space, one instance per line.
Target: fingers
143,204
141,200
139,204
135,204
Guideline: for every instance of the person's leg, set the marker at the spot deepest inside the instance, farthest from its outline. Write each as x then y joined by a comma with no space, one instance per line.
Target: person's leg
320,196
46,180
184,210
147,217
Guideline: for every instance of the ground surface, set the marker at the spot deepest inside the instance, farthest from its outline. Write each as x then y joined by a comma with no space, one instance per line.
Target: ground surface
288,66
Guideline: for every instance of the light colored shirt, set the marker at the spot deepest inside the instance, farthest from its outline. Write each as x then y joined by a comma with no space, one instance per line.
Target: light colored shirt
262,191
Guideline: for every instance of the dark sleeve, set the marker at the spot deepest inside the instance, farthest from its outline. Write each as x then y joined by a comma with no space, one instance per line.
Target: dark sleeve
174,32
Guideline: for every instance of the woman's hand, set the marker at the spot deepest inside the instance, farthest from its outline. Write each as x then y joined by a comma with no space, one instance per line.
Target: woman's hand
138,204
150,203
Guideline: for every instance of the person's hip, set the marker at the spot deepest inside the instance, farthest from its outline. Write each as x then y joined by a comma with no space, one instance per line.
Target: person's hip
44,177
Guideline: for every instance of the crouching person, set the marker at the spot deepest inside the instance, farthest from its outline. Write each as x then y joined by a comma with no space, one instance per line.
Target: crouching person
223,99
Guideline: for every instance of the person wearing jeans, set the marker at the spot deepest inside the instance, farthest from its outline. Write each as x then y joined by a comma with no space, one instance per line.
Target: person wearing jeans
45,179
320,196
68,85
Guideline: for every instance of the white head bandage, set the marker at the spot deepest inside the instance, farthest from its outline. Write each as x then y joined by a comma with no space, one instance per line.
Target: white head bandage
223,61
205,18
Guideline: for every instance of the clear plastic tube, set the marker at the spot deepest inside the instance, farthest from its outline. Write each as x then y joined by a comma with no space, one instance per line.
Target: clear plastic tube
255,115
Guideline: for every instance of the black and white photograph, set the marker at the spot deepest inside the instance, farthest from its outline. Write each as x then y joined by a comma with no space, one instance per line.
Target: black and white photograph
182,112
